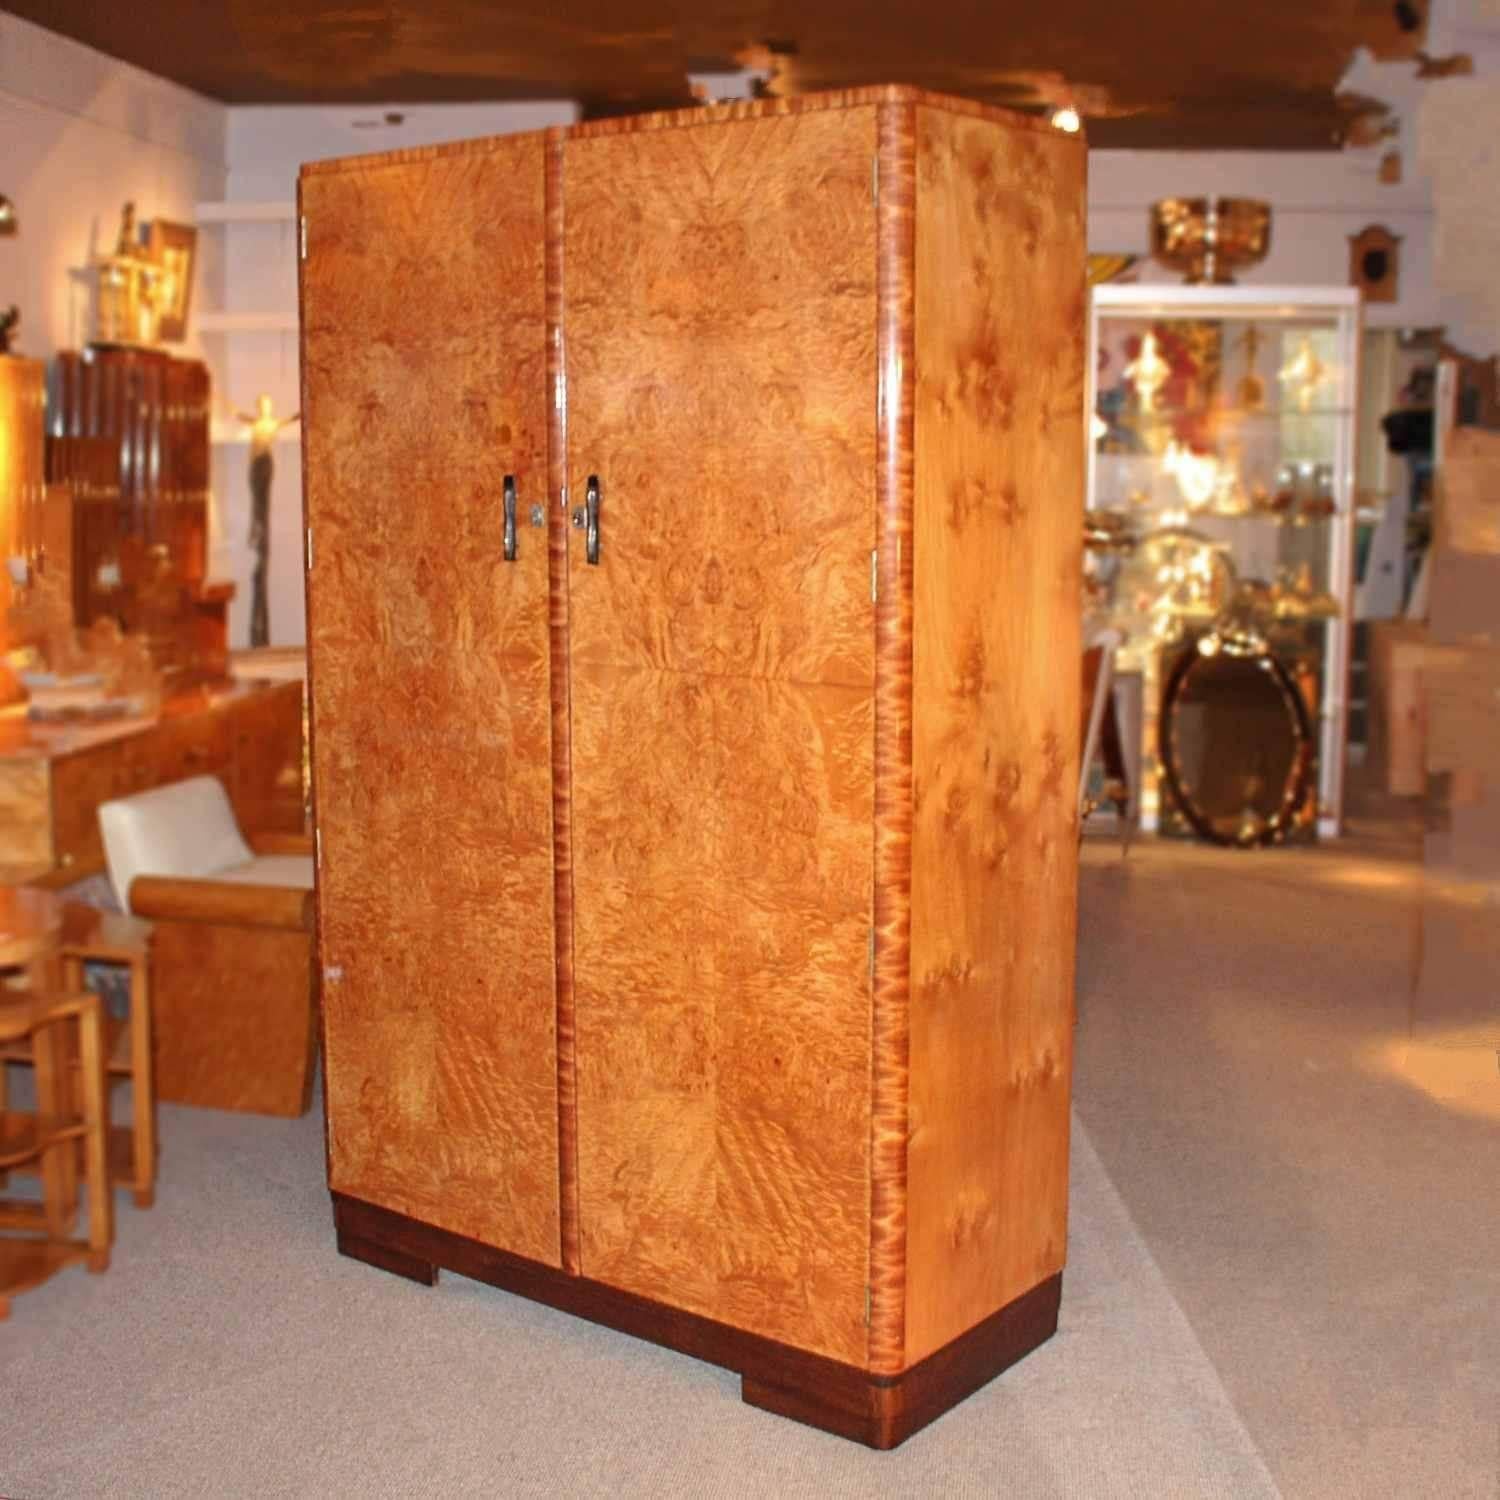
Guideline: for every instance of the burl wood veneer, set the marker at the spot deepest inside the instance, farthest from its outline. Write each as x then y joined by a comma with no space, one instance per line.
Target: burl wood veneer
697,921
424,344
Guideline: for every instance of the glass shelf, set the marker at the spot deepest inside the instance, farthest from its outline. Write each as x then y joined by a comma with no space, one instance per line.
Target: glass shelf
1164,414
1184,517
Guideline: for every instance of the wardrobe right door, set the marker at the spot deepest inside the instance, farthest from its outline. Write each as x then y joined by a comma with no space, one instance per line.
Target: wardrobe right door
719,320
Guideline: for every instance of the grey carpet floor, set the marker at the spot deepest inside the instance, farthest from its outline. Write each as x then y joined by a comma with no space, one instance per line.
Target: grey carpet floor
1282,1276
230,1351
1330,1228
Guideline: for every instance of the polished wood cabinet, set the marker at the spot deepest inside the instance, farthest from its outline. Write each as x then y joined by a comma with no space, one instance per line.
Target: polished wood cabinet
694,519
22,489
130,429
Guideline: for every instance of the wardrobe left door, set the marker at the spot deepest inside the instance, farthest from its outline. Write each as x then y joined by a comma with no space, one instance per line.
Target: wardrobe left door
425,449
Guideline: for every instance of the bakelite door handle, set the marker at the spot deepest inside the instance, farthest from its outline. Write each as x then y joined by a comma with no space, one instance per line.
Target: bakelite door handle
510,518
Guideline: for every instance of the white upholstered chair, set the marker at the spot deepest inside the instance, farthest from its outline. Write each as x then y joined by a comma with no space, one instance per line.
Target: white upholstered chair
232,973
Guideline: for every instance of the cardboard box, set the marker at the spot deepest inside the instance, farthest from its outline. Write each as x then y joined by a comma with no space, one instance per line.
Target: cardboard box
1394,684
1468,496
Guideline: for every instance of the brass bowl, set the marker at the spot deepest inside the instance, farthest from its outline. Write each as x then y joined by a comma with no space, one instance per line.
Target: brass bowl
1210,239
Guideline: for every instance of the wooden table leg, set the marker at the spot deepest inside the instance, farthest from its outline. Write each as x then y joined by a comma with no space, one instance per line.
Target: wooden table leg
96,1109
142,1084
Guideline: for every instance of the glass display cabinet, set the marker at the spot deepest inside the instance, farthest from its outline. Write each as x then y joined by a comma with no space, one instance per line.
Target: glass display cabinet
1221,478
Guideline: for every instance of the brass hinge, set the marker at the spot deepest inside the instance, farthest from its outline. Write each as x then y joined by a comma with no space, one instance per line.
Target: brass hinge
302,236
318,847
309,549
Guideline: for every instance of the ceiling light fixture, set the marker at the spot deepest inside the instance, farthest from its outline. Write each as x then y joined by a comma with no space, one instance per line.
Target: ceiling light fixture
1066,119
7,216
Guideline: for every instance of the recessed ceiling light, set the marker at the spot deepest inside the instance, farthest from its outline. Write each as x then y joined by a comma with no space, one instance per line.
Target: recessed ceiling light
1067,119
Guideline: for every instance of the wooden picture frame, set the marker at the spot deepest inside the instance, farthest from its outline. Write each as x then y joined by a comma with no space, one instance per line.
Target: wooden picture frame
174,249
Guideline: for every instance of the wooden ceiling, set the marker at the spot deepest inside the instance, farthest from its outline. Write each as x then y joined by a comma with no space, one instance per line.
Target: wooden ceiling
1192,74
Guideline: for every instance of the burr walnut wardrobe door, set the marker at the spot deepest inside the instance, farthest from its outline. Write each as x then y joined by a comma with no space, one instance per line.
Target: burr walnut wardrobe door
423,305
719,311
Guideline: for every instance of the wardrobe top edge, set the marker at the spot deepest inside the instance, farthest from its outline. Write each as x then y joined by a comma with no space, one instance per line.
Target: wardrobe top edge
708,114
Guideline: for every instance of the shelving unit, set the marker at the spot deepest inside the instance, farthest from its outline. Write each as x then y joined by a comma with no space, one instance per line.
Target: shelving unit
223,324
252,347
1236,430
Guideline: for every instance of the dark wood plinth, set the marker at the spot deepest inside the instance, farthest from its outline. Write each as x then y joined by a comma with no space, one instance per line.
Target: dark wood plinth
879,1411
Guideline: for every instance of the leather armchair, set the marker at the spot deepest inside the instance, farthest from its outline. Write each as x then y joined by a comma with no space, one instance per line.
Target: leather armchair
233,988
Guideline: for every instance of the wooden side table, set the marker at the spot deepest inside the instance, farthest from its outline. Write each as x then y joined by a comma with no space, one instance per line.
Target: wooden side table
86,936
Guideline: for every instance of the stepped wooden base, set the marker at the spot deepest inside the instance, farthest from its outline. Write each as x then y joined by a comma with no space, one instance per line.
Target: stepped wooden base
881,1411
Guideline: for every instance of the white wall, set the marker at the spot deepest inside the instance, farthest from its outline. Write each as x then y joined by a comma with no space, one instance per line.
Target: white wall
1318,200
266,146
1458,135
79,135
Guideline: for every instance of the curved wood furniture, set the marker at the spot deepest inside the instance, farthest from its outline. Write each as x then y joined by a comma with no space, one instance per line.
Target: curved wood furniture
696,898
29,924
233,992
234,995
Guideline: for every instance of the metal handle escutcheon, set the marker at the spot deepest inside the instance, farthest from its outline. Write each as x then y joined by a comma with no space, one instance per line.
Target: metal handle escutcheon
591,521
510,518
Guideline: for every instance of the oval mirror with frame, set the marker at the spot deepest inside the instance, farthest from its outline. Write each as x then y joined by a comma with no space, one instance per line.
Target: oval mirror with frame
1236,746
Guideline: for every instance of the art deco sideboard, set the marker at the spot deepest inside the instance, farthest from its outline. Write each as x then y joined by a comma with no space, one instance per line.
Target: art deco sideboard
54,776
694,514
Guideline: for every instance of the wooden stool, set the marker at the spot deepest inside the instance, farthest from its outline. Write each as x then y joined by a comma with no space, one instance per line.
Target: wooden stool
29,923
62,939
103,937
51,1137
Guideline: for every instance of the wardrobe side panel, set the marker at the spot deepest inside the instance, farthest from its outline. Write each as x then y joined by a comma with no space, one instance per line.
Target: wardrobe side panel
424,380
1000,323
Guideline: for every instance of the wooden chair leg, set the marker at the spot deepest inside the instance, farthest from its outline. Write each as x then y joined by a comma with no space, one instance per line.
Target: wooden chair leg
58,1164
70,978
4,1105
143,1085
96,1143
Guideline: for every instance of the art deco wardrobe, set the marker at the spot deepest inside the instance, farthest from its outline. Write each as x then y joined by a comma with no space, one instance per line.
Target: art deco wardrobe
693,510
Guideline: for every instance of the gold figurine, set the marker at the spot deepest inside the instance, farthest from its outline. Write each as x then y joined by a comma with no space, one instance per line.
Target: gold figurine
264,427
